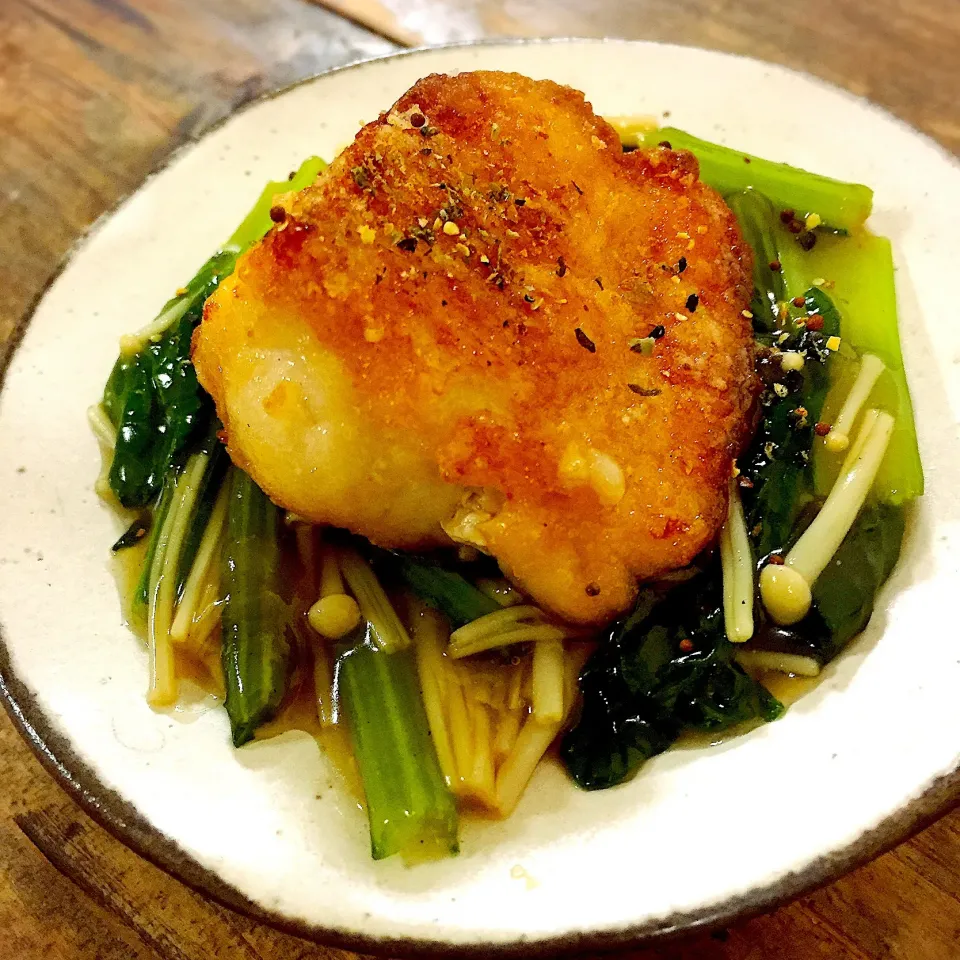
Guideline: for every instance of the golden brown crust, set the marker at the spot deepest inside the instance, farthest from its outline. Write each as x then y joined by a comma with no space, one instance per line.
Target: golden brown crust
502,344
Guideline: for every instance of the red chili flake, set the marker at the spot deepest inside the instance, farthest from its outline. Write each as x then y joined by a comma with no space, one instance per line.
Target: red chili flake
745,482
815,322
795,226
693,301
775,266
585,341
776,559
592,590
686,645
821,429
278,214
787,215
798,301
418,120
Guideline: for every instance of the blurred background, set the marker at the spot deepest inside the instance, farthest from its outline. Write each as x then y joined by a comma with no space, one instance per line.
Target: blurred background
95,93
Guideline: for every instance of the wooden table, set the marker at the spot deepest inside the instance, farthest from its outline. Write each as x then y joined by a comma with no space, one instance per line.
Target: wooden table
92,94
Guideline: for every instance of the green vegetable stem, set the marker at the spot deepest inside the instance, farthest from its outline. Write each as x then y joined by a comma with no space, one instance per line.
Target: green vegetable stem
843,206
255,619
444,590
409,805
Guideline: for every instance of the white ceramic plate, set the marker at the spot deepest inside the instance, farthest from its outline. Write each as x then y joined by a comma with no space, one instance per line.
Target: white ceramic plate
700,835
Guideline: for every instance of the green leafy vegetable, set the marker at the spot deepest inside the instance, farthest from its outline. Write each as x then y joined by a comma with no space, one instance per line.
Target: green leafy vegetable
161,406
777,478
843,206
759,221
256,650
409,805
668,668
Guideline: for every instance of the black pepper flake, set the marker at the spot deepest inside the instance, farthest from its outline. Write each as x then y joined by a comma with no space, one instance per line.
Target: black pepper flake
426,151
521,328
528,298
693,301
575,187
592,590
417,120
361,176
681,264
643,391
428,131
775,266
807,240
519,201
657,332
665,143
408,243
598,282
561,266
795,226
746,160
443,303
585,341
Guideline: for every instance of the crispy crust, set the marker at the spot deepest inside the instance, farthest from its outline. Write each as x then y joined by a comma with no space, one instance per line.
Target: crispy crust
501,351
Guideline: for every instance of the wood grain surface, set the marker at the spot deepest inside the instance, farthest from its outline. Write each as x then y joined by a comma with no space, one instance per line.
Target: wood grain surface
93,93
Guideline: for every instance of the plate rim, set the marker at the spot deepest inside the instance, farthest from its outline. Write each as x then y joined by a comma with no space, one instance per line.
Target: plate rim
123,821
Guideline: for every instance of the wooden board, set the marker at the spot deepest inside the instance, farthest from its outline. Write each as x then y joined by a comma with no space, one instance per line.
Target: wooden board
92,94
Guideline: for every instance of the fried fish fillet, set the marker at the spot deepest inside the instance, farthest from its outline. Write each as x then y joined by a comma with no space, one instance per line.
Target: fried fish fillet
487,324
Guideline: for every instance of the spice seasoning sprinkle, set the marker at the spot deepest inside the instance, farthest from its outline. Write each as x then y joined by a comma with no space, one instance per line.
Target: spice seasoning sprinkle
686,645
822,429
798,301
787,215
278,214
775,559
815,322
665,143
642,345
681,264
598,282
585,341
657,332
451,229
592,590
408,243
642,391
417,120
561,266
693,301
807,240
775,266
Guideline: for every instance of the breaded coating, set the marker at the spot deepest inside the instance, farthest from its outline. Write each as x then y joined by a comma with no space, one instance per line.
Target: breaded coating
487,323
